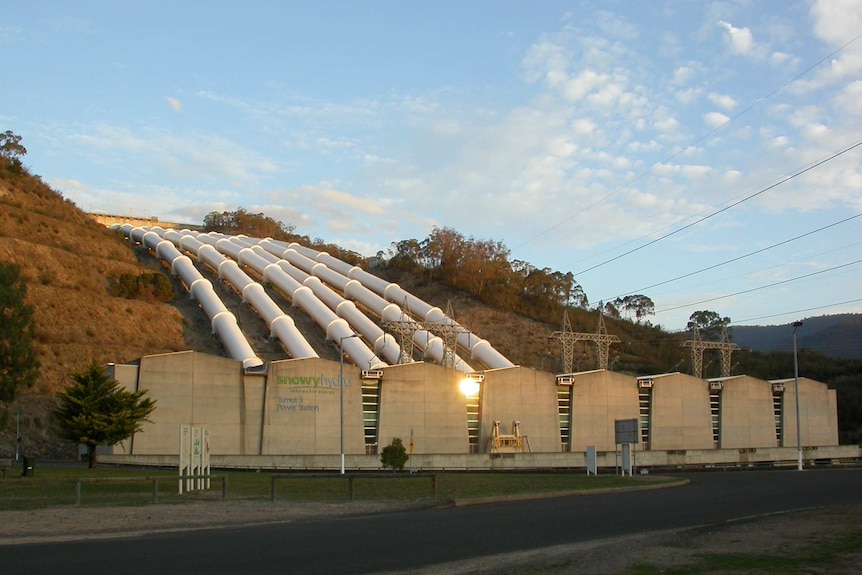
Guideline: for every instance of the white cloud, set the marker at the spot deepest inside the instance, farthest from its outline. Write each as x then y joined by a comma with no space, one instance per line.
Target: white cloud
545,61
731,177
206,158
722,100
687,170
175,104
781,58
849,100
683,75
10,34
715,119
779,142
816,132
667,125
584,126
70,185
836,21
587,81
328,198
689,95
650,146
740,40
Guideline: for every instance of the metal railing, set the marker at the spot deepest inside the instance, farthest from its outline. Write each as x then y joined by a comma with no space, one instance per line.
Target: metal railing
351,477
153,480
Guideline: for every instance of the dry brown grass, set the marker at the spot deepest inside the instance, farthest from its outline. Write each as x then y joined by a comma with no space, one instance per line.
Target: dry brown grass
67,261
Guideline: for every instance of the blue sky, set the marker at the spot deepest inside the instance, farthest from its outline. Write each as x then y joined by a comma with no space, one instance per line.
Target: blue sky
574,132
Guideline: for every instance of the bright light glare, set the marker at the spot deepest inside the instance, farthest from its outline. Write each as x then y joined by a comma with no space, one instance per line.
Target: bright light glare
469,387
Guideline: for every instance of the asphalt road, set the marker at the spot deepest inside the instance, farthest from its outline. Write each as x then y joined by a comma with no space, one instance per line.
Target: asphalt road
412,539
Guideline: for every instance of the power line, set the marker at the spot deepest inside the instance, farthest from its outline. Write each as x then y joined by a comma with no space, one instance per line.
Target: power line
759,288
726,208
761,270
736,259
691,145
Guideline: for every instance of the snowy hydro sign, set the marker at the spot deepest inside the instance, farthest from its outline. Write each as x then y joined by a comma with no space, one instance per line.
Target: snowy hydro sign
303,392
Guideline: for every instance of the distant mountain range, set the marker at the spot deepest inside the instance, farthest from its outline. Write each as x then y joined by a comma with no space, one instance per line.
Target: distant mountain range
832,335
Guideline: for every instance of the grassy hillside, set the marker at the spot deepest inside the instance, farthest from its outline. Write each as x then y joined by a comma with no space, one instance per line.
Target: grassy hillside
68,262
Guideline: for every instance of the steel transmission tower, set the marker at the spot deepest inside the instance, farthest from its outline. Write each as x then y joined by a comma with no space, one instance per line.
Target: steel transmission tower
448,330
725,347
405,327
567,341
601,337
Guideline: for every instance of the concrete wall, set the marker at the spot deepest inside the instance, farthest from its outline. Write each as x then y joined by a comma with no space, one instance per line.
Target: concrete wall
598,399
710,458
818,410
303,408
294,410
747,415
426,399
681,416
111,219
524,395
194,389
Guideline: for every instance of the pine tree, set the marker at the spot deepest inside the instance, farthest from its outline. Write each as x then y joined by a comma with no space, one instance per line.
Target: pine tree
95,410
18,365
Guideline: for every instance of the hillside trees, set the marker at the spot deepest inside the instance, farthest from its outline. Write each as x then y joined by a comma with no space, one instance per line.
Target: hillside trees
483,269
635,305
709,323
262,226
11,149
95,410
18,365
242,222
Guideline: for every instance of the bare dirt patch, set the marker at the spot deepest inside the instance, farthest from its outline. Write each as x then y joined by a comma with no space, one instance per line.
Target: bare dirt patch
77,523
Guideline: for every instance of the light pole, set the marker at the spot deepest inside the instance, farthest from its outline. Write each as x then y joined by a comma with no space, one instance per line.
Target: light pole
341,394
797,325
17,432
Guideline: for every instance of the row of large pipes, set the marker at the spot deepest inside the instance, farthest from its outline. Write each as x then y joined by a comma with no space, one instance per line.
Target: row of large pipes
480,349
433,346
281,326
339,319
305,276
223,322
210,250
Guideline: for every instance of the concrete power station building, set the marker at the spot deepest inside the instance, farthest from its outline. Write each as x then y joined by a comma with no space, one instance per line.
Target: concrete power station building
464,406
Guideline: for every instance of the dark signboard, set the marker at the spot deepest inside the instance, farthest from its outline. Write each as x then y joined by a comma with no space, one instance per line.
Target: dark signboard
625,431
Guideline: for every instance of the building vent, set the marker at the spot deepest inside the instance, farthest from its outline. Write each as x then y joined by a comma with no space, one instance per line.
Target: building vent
777,388
372,374
645,383
715,385
565,379
477,377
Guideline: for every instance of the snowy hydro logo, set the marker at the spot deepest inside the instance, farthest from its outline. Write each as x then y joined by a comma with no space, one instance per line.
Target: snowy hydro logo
311,382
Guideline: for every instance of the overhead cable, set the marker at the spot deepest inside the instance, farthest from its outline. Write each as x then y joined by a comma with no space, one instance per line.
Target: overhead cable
736,259
729,206
760,287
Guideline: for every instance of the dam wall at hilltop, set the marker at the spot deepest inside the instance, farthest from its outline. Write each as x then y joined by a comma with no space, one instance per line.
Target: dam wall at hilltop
111,219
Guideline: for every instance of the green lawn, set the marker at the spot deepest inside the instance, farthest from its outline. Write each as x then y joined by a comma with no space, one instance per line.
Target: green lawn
50,487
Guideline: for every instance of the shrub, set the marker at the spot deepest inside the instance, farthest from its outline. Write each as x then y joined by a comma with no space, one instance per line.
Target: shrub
394,455
146,286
